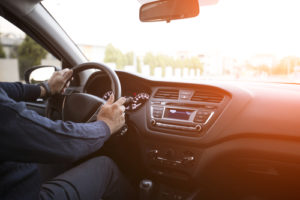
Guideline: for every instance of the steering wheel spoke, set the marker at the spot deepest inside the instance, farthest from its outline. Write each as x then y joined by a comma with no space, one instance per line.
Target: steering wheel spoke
83,107
94,116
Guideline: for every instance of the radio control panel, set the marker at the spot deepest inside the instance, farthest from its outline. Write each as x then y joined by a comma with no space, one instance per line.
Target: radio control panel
189,118
185,111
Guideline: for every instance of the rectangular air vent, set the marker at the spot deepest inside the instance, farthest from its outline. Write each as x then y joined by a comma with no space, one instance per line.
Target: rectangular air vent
167,94
207,97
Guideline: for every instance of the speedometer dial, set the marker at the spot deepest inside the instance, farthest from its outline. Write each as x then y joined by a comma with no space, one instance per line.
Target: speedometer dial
139,100
135,102
107,95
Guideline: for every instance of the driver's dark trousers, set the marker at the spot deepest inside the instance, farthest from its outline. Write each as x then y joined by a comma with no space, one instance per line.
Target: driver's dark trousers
95,179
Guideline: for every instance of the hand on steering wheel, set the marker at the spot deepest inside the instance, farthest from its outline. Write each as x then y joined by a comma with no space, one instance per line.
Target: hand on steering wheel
59,81
113,113
83,107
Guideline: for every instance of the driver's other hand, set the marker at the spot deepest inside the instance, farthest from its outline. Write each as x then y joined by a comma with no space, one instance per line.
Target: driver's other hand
113,114
59,81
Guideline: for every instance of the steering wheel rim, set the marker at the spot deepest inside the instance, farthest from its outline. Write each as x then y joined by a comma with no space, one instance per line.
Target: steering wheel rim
72,108
115,82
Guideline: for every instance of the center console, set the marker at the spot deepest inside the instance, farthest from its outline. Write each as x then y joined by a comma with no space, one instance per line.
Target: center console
184,112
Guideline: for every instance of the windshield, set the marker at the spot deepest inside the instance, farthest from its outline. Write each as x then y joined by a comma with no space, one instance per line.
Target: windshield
255,40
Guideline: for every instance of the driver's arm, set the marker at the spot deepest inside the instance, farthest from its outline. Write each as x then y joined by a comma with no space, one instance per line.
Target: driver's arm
29,92
21,92
26,136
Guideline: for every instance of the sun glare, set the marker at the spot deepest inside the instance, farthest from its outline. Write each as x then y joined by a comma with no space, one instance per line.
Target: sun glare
233,39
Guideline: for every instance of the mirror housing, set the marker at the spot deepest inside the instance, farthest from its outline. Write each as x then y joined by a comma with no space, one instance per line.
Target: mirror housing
38,74
167,10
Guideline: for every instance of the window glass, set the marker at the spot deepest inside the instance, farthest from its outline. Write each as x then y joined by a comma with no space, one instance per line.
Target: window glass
19,52
250,40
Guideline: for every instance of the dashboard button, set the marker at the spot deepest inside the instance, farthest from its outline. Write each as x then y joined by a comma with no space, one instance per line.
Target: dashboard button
200,120
153,122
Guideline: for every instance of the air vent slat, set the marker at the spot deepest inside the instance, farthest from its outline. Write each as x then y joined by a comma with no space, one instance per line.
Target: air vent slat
166,94
207,97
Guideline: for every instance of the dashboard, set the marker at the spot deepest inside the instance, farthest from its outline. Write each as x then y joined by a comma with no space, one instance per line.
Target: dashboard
191,132
169,113
100,86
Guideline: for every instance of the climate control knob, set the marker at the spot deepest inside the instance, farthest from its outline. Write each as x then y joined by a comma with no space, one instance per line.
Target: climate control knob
153,122
198,127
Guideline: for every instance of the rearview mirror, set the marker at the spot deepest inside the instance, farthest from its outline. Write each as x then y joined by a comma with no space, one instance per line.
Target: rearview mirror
38,74
167,10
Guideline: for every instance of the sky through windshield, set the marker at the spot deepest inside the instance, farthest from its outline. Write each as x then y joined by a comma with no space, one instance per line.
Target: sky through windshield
255,31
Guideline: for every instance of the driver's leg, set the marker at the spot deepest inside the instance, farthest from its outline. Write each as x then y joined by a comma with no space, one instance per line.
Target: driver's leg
94,179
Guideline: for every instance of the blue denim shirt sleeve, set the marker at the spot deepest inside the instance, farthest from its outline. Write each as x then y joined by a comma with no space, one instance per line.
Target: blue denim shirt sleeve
21,92
26,136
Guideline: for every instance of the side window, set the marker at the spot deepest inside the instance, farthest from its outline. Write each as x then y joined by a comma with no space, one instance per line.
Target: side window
19,52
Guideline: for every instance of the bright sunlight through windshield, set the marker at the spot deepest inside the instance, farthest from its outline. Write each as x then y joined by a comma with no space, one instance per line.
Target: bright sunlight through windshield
253,40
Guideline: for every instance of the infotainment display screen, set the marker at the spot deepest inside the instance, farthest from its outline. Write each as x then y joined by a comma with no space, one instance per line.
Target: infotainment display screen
176,113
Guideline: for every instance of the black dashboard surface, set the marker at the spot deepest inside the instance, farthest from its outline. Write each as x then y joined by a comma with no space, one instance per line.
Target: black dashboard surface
263,109
256,128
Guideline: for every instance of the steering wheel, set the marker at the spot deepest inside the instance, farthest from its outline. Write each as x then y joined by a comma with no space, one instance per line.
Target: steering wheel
83,107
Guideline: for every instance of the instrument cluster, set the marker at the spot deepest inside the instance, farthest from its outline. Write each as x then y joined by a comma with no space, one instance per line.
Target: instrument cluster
134,100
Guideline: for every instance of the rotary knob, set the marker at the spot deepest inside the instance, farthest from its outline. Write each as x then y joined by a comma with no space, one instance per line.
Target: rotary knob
198,127
153,122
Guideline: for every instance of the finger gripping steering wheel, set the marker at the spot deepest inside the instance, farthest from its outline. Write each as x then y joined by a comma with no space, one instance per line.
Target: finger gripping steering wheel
83,107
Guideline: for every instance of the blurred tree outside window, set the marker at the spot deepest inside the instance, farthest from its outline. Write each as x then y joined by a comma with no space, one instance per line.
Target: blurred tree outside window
114,55
20,52
30,53
2,52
